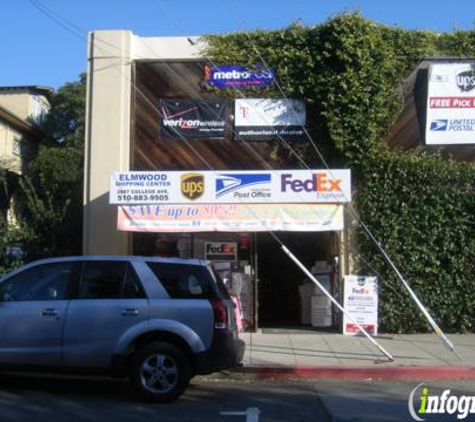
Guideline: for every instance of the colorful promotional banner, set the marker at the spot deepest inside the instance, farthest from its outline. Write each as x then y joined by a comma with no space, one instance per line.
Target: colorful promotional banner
230,218
182,118
361,301
451,104
235,76
230,187
258,119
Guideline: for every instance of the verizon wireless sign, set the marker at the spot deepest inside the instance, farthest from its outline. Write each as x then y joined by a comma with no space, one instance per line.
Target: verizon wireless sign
451,104
259,119
231,187
182,118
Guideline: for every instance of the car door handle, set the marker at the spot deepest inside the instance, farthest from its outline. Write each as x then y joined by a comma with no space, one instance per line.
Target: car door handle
49,312
130,312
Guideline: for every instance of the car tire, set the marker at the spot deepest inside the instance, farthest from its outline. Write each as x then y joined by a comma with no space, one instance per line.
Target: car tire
160,372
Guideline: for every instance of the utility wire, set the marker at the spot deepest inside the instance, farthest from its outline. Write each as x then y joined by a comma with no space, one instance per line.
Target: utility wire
282,140
145,98
356,215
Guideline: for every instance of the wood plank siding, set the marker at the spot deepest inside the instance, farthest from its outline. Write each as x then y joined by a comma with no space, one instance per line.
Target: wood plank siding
172,79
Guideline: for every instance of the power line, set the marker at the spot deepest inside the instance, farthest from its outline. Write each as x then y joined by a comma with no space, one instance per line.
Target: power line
57,20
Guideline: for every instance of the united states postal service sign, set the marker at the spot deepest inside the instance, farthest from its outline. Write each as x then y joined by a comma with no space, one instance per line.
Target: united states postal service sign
451,104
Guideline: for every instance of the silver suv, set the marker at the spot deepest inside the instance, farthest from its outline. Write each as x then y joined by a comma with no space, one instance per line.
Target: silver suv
158,321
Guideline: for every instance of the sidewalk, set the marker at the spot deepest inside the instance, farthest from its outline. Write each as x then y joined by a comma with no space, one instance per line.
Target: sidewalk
294,354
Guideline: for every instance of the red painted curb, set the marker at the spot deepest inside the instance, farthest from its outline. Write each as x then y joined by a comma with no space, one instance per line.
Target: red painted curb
408,373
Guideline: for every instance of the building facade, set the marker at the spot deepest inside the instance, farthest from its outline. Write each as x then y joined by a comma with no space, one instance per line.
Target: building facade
21,108
130,80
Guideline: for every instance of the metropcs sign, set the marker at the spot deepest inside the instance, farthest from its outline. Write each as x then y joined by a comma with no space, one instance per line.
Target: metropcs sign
231,187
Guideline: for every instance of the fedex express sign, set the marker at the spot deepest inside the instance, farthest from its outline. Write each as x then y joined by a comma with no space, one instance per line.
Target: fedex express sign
316,185
319,182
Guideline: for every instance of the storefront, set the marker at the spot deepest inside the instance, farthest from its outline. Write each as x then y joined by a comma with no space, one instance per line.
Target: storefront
242,236
272,291
195,160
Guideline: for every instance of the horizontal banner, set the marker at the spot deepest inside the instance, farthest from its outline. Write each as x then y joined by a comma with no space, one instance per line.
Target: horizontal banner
259,119
230,187
230,218
235,76
192,118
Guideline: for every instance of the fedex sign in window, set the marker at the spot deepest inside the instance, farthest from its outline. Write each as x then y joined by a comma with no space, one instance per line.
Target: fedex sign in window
451,104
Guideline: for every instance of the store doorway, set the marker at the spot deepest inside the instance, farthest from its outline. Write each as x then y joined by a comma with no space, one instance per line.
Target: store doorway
279,278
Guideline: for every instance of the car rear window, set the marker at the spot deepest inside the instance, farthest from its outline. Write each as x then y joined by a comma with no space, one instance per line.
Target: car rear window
184,281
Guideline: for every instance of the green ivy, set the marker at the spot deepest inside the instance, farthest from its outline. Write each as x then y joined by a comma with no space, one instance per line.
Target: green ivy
351,72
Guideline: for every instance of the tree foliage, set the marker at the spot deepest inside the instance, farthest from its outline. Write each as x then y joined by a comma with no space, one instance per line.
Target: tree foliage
351,72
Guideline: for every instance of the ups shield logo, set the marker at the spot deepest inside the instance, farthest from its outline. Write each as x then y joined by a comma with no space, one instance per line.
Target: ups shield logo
192,185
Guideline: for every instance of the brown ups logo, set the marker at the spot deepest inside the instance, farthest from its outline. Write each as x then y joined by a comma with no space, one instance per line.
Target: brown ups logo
192,185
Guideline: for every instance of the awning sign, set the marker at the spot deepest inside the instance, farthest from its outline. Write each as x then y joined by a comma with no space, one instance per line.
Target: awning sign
361,302
182,118
230,218
258,119
235,76
230,187
451,104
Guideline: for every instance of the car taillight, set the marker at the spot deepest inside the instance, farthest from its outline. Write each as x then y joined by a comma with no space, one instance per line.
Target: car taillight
220,314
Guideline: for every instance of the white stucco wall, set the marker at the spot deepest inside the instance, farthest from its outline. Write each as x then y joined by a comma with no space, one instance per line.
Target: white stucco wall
108,125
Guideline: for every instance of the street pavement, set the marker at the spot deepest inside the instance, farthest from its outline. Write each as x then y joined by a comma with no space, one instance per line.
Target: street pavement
383,401
39,398
35,398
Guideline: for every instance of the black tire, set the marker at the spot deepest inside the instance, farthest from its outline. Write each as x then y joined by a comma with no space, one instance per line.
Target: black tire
160,372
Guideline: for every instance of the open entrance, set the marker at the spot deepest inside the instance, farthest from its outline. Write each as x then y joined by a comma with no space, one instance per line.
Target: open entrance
271,291
286,297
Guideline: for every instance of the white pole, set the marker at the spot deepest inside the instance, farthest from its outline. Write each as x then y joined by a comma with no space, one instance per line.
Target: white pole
334,301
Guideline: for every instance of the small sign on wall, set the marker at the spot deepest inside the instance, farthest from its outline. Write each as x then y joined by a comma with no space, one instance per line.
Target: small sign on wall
220,251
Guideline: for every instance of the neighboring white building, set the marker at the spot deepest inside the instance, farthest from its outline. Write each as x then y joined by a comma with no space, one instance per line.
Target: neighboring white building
20,108
112,55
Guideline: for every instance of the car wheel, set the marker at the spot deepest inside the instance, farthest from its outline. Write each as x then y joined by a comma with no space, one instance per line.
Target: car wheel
160,372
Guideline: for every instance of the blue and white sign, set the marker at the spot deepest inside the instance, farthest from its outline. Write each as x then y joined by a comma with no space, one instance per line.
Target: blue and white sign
243,183
236,76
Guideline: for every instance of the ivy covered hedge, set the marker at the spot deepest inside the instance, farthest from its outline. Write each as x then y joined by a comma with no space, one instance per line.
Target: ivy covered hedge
351,72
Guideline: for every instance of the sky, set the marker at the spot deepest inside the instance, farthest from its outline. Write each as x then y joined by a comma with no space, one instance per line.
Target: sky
51,50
